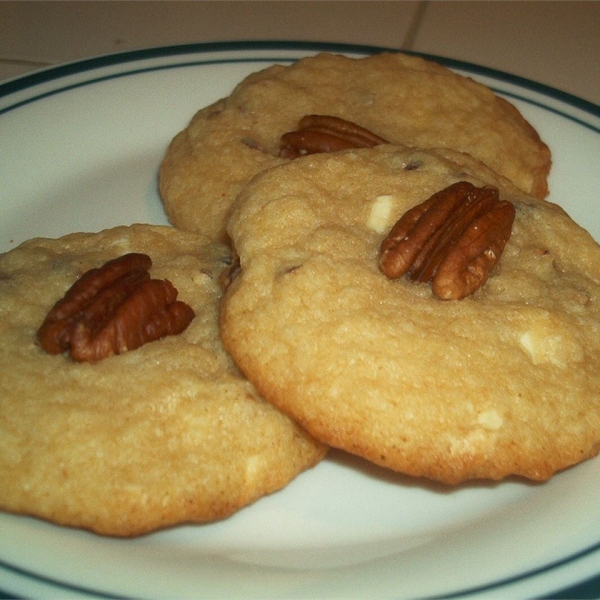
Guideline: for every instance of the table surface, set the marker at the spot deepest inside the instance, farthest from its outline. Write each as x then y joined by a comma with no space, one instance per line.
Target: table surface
553,43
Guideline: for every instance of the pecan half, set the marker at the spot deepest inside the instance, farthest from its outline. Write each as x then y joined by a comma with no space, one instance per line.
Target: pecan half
112,309
322,133
453,239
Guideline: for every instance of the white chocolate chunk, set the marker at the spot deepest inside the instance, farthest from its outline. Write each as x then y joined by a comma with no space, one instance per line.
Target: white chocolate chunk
544,346
490,419
380,214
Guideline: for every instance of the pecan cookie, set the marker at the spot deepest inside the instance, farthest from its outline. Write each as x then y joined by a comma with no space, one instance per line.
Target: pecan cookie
339,317
136,439
392,97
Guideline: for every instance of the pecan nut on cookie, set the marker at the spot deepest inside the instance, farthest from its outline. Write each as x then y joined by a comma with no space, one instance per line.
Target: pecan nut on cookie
120,411
329,102
416,309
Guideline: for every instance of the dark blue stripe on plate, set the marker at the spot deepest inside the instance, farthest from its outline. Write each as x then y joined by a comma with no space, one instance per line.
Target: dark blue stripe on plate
137,56
107,60
464,593
50,581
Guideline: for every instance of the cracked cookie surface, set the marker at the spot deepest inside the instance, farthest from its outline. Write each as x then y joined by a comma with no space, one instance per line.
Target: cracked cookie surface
504,382
403,99
168,433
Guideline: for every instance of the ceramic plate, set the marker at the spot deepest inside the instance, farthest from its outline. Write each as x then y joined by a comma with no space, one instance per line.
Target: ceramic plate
80,147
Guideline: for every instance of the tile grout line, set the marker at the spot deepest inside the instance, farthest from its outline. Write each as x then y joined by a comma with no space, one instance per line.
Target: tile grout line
24,62
413,29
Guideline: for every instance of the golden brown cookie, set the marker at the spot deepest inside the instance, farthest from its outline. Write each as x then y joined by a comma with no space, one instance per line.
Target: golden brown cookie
403,99
168,433
503,382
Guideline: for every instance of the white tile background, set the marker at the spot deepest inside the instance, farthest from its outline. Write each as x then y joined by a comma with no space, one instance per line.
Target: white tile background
556,43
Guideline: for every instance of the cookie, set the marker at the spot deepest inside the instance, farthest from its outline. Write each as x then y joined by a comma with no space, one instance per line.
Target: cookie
168,433
502,382
401,98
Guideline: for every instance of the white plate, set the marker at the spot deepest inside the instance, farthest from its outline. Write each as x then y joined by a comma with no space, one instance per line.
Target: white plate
80,146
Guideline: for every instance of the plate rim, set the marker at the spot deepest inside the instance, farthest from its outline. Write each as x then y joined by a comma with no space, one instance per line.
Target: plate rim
43,75
26,82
